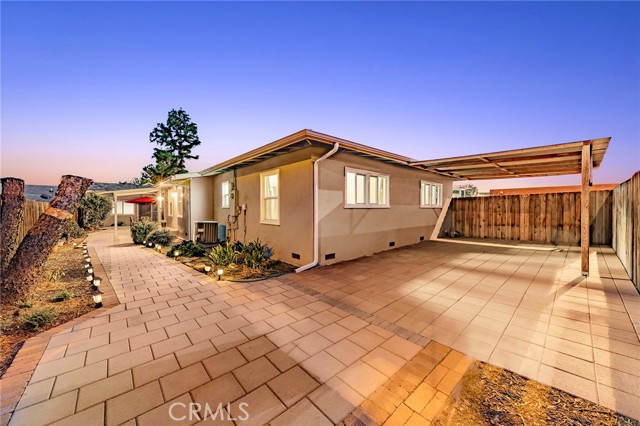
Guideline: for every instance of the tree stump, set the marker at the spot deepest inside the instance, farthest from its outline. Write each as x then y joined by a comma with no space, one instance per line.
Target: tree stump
11,214
36,246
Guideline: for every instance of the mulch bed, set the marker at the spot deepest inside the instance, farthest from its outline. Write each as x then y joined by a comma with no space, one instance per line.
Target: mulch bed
64,270
492,396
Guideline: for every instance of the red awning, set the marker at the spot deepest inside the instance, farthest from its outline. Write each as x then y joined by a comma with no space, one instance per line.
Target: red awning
142,200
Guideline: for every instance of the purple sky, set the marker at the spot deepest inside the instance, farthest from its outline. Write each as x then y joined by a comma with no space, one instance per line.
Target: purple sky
83,83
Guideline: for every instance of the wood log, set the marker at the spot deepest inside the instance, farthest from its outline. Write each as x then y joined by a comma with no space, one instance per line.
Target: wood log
36,246
11,215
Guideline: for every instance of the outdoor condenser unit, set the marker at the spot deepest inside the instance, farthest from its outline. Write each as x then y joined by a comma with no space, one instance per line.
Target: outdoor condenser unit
206,232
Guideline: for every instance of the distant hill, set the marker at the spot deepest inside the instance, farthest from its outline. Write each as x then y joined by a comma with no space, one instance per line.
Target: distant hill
46,192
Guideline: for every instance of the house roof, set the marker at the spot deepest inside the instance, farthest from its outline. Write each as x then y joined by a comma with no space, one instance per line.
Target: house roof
299,140
549,160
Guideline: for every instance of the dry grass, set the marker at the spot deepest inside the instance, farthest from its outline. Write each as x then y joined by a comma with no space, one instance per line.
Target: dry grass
63,273
492,396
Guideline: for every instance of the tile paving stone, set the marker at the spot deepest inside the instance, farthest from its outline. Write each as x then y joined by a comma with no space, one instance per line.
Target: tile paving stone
77,378
303,413
255,373
129,360
93,416
362,377
262,406
346,352
47,411
155,369
35,393
322,366
184,380
170,345
334,332
195,353
383,361
292,386
133,403
366,339
228,340
224,362
104,389
57,367
175,412
256,348
312,343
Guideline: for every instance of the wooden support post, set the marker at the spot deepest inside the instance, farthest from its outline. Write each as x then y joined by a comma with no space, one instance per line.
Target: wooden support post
584,207
115,218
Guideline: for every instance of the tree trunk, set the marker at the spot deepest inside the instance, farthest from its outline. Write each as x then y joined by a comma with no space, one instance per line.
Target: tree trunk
36,246
11,214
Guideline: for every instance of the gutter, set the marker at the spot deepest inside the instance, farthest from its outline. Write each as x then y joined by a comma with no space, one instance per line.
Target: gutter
316,210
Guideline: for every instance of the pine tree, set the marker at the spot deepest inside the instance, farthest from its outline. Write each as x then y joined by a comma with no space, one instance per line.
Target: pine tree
176,139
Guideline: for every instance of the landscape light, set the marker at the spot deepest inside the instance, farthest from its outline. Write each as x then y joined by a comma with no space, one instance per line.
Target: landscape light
97,297
87,265
87,259
144,242
90,270
74,245
97,281
219,272
176,253
89,277
149,244
207,269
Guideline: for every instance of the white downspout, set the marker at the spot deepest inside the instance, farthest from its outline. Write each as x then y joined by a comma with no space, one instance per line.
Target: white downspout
316,210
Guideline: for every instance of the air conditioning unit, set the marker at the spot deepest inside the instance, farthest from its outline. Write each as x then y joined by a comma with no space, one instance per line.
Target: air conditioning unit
206,232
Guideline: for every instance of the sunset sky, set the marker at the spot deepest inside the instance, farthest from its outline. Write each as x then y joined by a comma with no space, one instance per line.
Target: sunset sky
83,83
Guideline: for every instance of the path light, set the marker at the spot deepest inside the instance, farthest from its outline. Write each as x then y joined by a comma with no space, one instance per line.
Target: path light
97,297
75,244
87,265
176,253
144,242
90,277
97,281
87,259
158,248
219,273
207,269
149,244
90,270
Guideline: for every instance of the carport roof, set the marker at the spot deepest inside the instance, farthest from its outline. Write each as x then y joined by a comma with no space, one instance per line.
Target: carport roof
548,160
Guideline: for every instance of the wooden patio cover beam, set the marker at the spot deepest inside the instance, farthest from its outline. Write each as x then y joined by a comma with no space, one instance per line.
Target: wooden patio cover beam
587,167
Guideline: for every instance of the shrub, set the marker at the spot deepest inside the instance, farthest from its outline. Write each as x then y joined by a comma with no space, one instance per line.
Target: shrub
38,318
223,254
95,209
25,304
72,230
256,254
55,275
160,236
189,249
62,296
140,230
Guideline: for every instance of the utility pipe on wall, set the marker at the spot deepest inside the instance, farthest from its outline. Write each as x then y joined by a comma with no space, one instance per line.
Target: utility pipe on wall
316,210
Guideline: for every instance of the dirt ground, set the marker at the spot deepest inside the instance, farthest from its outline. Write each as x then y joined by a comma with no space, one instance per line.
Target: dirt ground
492,396
64,271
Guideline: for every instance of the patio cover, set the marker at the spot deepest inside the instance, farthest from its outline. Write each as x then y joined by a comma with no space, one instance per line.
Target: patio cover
548,160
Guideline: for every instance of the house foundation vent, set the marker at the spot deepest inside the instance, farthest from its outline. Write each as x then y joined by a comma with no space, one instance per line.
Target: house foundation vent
329,256
295,256
421,237
392,244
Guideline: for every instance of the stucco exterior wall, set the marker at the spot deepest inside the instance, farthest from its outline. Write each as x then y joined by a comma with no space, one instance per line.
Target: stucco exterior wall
202,200
295,232
350,233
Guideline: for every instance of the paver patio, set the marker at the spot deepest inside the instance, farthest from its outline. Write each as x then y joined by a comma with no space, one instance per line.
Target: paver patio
522,307
310,348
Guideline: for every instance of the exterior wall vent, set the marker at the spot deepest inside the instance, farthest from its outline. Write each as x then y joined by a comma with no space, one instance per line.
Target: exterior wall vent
392,244
421,237
329,256
295,256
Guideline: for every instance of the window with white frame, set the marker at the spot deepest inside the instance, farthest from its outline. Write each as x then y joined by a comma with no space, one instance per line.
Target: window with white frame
430,194
270,197
123,208
180,209
364,189
226,193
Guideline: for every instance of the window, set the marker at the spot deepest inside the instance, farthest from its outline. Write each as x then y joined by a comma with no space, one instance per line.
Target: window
270,197
430,194
366,189
123,208
180,203
225,194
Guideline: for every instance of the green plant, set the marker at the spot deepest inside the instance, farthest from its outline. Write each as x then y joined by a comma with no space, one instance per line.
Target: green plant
223,254
140,230
188,248
73,230
160,236
5,325
25,304
38,318
55,275
95,209
62,296
257,254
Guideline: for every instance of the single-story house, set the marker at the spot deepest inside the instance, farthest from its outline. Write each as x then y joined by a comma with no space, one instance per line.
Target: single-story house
319,199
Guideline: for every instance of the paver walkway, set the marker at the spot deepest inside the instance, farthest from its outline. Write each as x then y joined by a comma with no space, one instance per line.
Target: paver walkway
179,338
524,308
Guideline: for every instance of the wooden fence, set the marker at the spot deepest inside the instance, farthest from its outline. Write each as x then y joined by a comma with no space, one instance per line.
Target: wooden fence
626,220
549,218
32,211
